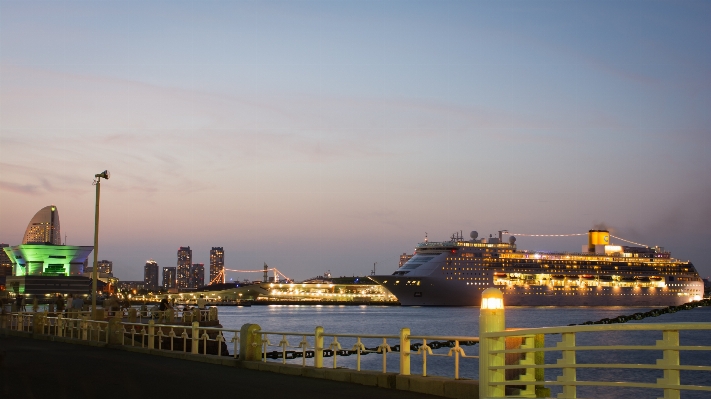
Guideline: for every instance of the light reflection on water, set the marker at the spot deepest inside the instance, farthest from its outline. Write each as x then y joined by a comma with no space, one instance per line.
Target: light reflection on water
463,321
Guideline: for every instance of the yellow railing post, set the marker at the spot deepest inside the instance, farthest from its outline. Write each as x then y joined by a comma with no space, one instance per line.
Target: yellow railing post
492,318
84,327
529,359
151,334
60,325
318,347
404,351
195,337
670,357
567,345
250,347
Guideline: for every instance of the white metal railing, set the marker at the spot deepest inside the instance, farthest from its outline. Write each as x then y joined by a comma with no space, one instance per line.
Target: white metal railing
313,345
185,338
497,347
572,342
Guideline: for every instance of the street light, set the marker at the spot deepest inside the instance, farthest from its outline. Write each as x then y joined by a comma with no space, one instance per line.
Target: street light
105,174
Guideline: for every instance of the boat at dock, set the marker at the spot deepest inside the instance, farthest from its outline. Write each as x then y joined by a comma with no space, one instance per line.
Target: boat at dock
455,272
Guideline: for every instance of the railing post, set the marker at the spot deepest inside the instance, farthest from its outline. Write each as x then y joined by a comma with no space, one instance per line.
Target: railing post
84,327
250,344
670,357
492,318
529,359
37,323
318,347
195,338
151,334
132,315
114,331
568,359
60,325
170,316
404,351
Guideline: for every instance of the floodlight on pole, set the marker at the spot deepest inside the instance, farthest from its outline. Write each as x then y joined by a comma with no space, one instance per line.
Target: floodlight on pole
94,272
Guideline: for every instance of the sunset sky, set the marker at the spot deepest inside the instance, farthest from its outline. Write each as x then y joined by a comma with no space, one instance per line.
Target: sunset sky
330,135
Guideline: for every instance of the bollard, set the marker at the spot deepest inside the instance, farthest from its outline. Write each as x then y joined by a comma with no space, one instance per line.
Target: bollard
84,324
20,322
37,323
151,334
492,318
60,325
195,337
132,315
404,351
250,343
114,330
318,347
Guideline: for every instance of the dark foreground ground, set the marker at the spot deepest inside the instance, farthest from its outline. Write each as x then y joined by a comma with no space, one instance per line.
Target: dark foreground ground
44,369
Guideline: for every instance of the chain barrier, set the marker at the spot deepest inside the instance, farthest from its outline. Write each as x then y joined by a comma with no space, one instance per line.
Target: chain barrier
651,313
348,352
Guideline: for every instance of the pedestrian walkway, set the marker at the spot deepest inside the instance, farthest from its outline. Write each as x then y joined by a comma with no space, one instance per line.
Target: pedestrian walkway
44,369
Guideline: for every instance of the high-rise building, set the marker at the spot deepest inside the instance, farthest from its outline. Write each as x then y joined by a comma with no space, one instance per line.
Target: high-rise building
169,277
5,262
44,227
185,261
150,275
5,266
197,275
106,266
217,265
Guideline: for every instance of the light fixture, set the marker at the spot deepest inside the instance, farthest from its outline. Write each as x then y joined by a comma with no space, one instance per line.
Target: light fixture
105,174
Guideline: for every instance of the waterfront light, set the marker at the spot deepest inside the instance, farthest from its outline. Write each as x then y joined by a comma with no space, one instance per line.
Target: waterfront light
492,299
94,276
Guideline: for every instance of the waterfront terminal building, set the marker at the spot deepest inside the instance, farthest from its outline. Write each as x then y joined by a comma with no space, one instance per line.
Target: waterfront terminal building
41,265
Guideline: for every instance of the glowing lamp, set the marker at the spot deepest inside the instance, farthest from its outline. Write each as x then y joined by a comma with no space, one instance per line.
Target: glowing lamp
491,313
492,298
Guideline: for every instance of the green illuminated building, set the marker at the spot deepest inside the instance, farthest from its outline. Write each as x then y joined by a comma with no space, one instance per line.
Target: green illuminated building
41,257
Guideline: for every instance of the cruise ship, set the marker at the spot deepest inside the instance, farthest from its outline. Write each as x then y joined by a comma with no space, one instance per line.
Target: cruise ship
455,272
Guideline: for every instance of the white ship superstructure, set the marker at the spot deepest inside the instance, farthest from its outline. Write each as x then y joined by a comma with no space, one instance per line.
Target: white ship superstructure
455,272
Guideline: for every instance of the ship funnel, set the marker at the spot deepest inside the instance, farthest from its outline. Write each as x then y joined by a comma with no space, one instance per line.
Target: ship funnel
597,237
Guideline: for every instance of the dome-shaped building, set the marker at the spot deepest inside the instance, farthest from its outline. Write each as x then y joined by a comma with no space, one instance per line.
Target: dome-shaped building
41,265
44,227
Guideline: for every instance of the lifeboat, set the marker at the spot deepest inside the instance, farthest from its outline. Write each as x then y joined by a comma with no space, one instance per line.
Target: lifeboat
656,278
587,277
557,277
605,278
642,279
499,274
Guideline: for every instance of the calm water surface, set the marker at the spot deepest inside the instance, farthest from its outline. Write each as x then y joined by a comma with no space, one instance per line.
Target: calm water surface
463,321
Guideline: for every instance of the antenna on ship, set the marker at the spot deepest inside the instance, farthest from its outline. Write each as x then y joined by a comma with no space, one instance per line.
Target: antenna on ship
425,236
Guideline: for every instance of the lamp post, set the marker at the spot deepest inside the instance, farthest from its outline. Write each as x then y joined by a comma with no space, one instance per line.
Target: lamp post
94,273
491,319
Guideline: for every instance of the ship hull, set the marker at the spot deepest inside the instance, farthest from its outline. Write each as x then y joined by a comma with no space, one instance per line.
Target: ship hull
437,292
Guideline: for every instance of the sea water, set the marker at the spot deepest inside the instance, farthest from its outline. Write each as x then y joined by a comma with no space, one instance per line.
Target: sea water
464,321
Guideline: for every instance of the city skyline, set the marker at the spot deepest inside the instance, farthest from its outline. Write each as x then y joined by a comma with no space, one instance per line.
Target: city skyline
323,135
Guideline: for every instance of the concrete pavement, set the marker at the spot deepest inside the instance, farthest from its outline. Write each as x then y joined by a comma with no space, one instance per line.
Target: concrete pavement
44,369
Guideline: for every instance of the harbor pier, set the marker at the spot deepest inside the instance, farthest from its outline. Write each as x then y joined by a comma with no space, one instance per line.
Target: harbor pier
511,362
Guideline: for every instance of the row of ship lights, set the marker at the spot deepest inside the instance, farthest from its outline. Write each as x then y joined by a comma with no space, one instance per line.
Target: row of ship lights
293,292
